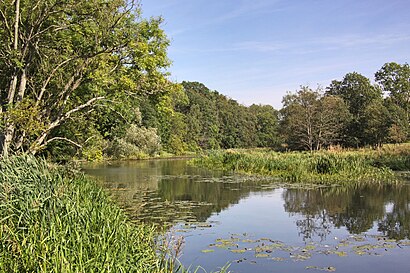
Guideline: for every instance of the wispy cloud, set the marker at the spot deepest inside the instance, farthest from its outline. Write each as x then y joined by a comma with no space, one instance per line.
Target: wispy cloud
323,43
246,7
303,46
218,14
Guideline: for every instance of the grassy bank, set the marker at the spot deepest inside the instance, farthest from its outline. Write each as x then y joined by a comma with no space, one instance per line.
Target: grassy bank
324,167
53,221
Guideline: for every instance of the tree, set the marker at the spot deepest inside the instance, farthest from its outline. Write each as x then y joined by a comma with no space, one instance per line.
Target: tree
375,121
311,121
266,125
358,93
356,90
300,118
395,80
194,125
398,122
205,99
334,116
62,58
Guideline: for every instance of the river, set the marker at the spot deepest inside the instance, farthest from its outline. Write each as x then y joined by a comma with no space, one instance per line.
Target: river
259,224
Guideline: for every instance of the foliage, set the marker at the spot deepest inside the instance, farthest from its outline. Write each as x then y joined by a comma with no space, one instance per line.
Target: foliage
266,125
72,58
311,121
54,222
358,93
138,142
217,121
75,75
395,79
322,167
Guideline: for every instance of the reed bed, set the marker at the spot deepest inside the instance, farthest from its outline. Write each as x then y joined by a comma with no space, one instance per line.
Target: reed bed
54,221
324,167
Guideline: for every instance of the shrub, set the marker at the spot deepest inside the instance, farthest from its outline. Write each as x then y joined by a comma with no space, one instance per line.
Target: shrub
138,142
146,139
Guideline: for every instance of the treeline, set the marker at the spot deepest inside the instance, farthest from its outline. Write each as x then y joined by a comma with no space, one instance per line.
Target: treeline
88,80
205,119
191,118
351,112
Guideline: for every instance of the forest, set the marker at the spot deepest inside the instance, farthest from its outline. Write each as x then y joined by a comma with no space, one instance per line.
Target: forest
89,81
75,84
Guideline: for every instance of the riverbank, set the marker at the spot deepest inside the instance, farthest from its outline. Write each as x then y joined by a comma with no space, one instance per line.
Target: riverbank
55,220
322,167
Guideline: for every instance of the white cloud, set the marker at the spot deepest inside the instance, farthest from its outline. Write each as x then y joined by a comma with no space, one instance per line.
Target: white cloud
323,43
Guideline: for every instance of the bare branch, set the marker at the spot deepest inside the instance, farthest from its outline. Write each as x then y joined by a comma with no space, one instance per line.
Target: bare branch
63,139
6,23
40,142
47,81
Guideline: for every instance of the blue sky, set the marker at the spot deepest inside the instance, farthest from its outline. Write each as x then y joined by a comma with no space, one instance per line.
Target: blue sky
254,51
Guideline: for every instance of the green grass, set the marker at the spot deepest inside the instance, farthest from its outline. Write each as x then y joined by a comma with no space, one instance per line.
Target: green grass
324,167
52,220
53,223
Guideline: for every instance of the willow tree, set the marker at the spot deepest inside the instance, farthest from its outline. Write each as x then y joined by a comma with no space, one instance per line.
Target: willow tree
62,58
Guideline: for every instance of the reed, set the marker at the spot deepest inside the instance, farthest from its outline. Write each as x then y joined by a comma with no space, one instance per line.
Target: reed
324,167
52,220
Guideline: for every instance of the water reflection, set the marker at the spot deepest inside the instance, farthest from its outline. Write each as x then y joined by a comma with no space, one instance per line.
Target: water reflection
355,208
170,191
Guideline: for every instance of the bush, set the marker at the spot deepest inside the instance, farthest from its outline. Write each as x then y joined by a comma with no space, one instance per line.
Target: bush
138,142
146,139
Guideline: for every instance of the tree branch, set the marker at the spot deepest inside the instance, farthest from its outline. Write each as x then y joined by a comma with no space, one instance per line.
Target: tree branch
47,81
40,142
63,139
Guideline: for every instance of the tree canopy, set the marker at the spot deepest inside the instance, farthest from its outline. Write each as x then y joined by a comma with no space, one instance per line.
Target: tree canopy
88,79
63,59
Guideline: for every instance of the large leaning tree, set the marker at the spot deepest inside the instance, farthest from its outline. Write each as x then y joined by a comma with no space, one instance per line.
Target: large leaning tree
64,58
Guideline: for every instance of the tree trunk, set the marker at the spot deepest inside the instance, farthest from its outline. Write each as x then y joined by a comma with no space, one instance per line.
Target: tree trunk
10,127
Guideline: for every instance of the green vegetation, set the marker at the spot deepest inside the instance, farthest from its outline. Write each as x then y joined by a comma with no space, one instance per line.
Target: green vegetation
88,80
324,167
54,221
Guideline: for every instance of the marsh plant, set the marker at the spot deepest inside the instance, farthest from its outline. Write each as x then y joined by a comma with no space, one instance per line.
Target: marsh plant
321,167
53,221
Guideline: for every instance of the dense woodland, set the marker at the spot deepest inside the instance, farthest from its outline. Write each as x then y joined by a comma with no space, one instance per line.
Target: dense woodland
88,79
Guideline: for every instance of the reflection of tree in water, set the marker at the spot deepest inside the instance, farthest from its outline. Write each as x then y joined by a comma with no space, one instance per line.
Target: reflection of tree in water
163,191
355,208
314,225
169,190
216,192
396,222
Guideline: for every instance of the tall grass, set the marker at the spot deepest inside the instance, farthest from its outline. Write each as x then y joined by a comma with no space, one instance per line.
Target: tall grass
325,167
51,221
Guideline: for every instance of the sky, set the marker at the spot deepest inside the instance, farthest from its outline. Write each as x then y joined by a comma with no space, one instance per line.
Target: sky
254,51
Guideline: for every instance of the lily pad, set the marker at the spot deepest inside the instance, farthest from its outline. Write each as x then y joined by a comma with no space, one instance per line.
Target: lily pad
262,255
207,250
238,250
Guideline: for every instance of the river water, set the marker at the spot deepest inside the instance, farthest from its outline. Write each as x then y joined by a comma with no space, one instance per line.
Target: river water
257,224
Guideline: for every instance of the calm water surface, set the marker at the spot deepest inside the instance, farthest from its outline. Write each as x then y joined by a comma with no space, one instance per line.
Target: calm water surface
260,225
